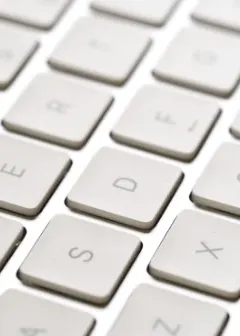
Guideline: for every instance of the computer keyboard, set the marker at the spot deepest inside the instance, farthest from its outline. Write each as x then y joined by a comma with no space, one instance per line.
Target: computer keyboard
119,168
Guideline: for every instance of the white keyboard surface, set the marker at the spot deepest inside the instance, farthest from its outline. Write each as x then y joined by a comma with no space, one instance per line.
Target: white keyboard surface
119,168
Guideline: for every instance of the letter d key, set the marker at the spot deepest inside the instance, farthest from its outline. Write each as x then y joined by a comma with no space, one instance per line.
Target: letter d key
124,183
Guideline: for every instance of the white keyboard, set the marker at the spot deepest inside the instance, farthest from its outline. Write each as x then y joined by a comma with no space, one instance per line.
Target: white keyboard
119,168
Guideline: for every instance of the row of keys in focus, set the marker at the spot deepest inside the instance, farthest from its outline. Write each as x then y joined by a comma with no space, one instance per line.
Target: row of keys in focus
210,257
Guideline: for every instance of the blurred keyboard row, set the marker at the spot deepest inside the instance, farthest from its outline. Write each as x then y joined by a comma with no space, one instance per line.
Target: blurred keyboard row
44,14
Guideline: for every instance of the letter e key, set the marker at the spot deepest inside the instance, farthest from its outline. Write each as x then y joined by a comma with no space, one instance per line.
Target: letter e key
12,170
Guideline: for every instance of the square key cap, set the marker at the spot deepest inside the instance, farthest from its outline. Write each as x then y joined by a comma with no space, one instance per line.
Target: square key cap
219,185
151,311
58,109
202,59
125,188
86,261
26,315
17,46
38,13
167,121
107,50
28,175
207,260
151,12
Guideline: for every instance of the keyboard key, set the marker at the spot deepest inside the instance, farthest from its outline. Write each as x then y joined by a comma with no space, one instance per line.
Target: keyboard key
206,260
38,13
146,11
58,109
218,187
235,128
11,233
26,315
151,311
83,252
17,46
167,121
224,13
202,59
108,50
28,175
125,188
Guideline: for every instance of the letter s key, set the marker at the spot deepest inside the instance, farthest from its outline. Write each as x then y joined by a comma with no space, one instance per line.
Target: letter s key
86,256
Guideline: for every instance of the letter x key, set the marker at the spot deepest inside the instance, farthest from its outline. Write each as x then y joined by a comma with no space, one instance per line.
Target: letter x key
207,257
211,251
